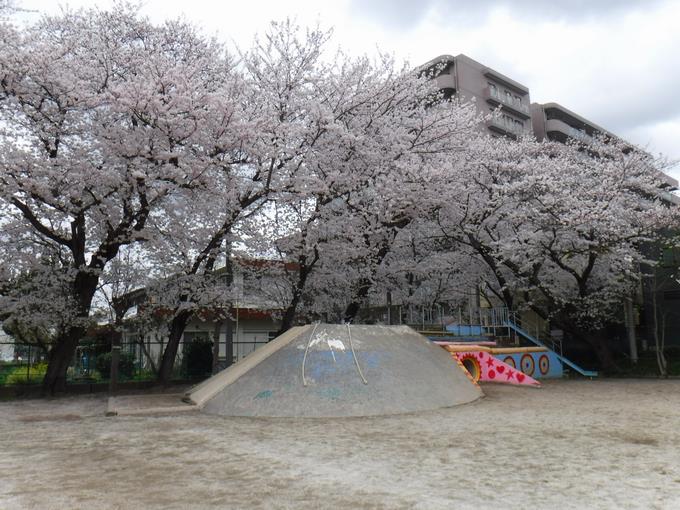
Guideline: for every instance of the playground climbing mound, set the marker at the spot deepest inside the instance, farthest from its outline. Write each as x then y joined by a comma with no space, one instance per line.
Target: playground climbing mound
328,370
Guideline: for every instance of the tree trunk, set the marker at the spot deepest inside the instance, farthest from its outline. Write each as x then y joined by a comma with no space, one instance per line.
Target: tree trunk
359,296
60,358
629,314
177,326
62,352
289,314
291,310
596,341
603,352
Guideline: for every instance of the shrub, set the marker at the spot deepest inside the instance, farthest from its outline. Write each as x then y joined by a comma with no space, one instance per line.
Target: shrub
126,365
22,375
144,375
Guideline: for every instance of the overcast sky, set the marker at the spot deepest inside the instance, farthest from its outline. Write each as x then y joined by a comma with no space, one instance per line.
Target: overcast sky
615,62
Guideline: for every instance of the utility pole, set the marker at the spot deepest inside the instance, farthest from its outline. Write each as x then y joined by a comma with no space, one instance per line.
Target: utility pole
630,328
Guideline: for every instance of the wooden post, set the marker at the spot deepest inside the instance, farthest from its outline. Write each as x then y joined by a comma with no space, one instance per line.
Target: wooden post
630,328
389,307
216,347
115,359
229,341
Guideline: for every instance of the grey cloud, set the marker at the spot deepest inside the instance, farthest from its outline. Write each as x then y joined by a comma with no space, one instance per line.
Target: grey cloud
643,93
571,9
400,14
406,14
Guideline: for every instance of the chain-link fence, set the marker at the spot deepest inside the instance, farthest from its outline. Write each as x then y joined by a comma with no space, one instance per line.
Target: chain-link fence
139,361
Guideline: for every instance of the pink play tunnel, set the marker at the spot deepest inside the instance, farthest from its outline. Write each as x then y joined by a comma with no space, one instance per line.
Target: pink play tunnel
483,366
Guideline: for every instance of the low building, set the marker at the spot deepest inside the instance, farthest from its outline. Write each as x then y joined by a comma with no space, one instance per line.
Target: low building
7,347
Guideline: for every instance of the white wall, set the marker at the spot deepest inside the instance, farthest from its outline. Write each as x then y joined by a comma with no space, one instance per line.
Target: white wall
6,351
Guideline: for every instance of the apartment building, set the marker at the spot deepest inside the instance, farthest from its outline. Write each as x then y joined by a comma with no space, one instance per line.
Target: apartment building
490,90
494,92
553,121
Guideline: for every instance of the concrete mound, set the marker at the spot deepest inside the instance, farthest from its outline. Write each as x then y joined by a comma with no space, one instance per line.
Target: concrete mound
327,370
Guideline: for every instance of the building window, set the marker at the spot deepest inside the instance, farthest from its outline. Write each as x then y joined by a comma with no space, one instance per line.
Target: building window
508,97
493,90
518,100
192,336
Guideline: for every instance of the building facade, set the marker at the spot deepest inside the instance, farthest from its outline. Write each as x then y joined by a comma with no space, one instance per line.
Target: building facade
490,90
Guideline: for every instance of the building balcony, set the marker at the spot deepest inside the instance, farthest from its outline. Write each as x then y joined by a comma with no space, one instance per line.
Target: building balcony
446,82
506,82
669,183
495,98
504,127
669,198
564,129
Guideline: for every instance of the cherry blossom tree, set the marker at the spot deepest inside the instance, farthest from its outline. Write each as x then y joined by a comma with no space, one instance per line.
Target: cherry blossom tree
368,180
279,124
99,112
560,227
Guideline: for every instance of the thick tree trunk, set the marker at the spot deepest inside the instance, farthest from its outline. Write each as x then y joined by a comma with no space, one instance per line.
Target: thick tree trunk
60,358
289,314
177,326
597,342
291,310
357,299
603,352
305,267
64,349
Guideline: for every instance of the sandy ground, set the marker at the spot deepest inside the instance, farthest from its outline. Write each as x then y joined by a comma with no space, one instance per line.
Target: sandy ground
571,444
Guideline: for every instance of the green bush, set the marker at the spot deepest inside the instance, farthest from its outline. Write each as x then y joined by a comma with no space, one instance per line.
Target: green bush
22,375
126,365
6,368
198,357
144,375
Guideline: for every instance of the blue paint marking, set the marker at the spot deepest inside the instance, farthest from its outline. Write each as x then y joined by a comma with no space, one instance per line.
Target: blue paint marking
318,368
372,359
331,393
264,394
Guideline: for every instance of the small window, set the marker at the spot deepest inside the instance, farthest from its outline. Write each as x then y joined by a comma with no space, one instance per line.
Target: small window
493,90
518,100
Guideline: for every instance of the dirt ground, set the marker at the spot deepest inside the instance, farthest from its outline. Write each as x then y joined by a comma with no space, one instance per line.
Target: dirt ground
571,444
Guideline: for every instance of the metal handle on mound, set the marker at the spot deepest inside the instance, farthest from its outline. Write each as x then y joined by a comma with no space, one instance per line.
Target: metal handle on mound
304,358
356,361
